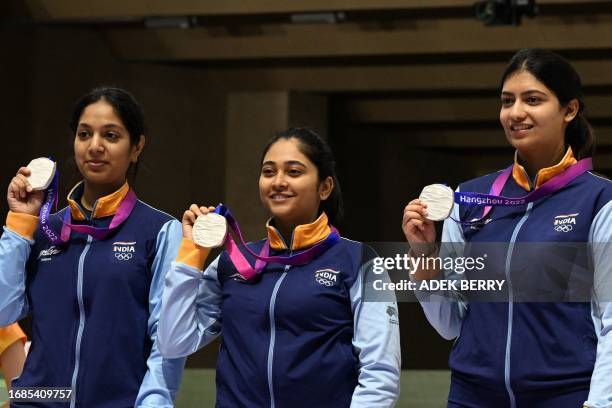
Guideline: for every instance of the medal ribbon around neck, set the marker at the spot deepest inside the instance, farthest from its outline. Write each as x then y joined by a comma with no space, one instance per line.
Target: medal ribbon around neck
493,199
249,272
51,198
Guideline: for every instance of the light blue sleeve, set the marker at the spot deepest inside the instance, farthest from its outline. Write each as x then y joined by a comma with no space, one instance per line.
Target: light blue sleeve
376,342
445,311
163,377
14,253
600,238
191,309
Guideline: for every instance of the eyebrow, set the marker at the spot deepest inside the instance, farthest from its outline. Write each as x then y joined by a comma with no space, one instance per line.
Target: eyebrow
289,162
107,126
531,91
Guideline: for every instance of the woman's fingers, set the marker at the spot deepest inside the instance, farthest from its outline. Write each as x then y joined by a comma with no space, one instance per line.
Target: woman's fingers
189,217
416,226
22,174
194,208
24,171
206,210
19,187
197,210
413,215
25,182
416,208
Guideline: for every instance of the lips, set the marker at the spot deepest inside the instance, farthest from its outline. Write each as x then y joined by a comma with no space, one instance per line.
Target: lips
280,197
96,164
520,126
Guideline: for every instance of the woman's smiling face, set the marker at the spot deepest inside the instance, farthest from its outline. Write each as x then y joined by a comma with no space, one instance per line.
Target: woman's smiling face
289,184
531,115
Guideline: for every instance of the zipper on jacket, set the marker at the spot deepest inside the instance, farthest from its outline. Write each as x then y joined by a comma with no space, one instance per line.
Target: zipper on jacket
511,305
273,335
77,349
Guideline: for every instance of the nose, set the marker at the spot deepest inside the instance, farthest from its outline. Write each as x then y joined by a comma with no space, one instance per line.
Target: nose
96,145
280,181
517,112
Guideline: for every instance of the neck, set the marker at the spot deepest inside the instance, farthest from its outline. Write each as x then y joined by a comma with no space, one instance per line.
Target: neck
92,192
533,162
286,227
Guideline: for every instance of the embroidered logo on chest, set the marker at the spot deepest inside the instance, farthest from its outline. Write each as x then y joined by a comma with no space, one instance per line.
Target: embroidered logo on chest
326,277
47,254
392,312
124,251
564,223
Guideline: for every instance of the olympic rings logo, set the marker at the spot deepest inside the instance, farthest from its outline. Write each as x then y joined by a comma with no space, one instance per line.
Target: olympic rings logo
123,257
324,282
564,228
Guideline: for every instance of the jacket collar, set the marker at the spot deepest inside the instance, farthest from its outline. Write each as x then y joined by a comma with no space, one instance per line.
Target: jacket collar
304,236
103,207
520,175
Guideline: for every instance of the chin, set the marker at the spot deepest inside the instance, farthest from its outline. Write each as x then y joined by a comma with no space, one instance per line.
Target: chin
279,212
99,178
522,143
96,177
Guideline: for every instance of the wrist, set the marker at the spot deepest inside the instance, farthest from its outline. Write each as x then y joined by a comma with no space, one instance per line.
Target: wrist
22,224
192,254
424,249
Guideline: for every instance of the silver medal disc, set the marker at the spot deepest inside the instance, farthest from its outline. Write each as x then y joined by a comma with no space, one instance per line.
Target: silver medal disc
439,199
42,172
210,230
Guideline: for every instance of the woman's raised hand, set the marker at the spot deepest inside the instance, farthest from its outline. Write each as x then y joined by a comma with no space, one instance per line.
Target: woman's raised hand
189,218
417,228
21,198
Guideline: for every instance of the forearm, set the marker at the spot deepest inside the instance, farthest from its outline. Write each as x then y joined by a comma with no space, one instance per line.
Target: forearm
376,339
161,382
190,312
15,247
600,392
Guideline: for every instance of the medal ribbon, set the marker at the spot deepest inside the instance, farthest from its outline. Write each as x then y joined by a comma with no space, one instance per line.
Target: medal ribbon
493,199
249,272
51,198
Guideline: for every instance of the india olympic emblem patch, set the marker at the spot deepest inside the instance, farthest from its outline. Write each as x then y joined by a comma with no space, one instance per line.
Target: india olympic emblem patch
326,277
564,223
124,251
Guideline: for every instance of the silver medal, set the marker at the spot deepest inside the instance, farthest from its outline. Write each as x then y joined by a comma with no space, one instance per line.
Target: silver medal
439,199
210,230
42,172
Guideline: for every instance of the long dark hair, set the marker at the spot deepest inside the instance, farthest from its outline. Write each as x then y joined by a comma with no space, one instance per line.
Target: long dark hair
561,78
125,106
320,154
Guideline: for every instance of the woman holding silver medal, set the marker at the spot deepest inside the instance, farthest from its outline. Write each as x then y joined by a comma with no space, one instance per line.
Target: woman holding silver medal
91,276
295,329
510,354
